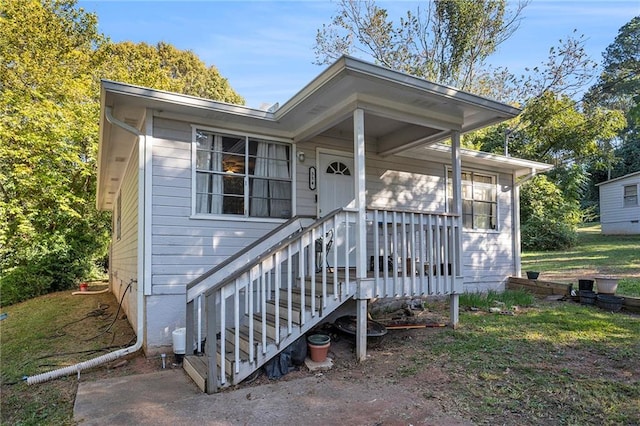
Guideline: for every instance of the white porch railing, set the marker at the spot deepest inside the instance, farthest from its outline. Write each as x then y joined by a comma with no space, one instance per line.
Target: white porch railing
414,253
255,312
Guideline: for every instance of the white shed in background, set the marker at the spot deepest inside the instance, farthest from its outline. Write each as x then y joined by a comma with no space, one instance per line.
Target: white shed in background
619,205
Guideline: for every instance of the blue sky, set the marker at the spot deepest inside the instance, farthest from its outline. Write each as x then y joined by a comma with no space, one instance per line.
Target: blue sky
265,48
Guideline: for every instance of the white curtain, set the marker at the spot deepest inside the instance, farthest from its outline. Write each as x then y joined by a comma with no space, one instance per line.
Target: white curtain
260,188
280,191
209,185
271,198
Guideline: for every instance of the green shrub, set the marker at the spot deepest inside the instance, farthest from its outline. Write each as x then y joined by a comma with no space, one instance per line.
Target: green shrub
549,218
542,233
52,265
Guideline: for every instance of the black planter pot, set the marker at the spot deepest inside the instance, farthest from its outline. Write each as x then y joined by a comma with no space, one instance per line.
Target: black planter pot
585,285
609,302
533,275
587,297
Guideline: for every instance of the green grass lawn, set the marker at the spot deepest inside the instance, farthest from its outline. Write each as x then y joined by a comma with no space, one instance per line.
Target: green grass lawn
554,363
595,254
549,363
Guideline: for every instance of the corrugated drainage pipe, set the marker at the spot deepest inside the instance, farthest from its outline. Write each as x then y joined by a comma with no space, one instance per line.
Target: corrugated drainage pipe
76,368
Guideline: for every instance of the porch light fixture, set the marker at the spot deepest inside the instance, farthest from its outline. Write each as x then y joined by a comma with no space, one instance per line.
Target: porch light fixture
301,156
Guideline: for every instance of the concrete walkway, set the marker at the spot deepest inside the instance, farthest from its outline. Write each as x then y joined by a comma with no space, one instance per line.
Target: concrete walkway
169,397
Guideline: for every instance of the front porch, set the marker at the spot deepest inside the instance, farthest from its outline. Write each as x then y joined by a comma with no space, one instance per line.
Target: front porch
294,284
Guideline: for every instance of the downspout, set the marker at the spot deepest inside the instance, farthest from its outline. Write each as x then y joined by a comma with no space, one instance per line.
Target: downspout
76,368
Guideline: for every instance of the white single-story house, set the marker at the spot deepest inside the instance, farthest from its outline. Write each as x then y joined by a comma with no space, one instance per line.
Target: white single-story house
249,227
619,206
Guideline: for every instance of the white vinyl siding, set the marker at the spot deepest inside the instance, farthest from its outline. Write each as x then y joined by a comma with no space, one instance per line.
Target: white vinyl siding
619,208
123,265
402,183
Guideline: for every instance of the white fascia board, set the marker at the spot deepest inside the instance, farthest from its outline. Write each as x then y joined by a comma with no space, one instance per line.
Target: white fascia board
618,178
507,162
181,100
358,68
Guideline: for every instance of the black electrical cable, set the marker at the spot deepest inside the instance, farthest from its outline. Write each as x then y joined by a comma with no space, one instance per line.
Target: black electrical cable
115,317
100,313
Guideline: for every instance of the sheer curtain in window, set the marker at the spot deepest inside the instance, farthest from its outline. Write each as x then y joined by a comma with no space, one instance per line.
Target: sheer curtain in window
209,185
271,198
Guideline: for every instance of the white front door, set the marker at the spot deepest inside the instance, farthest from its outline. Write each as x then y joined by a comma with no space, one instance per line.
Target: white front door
336,189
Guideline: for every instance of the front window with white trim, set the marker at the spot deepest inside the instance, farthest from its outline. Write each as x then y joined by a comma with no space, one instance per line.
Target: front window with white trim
242,176
630,196
479,200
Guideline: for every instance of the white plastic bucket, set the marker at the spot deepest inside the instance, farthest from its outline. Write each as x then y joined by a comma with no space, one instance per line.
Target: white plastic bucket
179,340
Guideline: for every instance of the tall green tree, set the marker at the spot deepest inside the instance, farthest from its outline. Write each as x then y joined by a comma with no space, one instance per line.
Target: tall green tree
448,42
618,87
49,231
164,67
51,60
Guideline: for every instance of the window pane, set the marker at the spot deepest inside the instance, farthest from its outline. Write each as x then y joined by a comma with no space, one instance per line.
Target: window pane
233,185
483,192
203,140
233,205
482,179
482,222
233,163
233,144
467,191
467,221
630,196
479,199
467,207
270,198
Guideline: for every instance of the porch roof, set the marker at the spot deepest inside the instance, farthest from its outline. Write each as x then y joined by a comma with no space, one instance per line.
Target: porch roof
401,112
479,159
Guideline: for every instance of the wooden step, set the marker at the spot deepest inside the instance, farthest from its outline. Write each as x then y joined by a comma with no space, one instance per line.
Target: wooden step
196,367
296,311
244,341
270,323
296,295
230,345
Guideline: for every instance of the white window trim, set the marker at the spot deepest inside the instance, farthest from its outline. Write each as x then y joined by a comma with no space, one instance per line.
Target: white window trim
117,225
496,182
240,218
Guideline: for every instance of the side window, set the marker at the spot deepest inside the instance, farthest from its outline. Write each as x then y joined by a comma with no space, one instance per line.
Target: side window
630,198
479,200
118,217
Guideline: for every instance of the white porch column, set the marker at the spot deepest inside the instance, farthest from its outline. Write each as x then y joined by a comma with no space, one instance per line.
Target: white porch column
456,207
361,230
